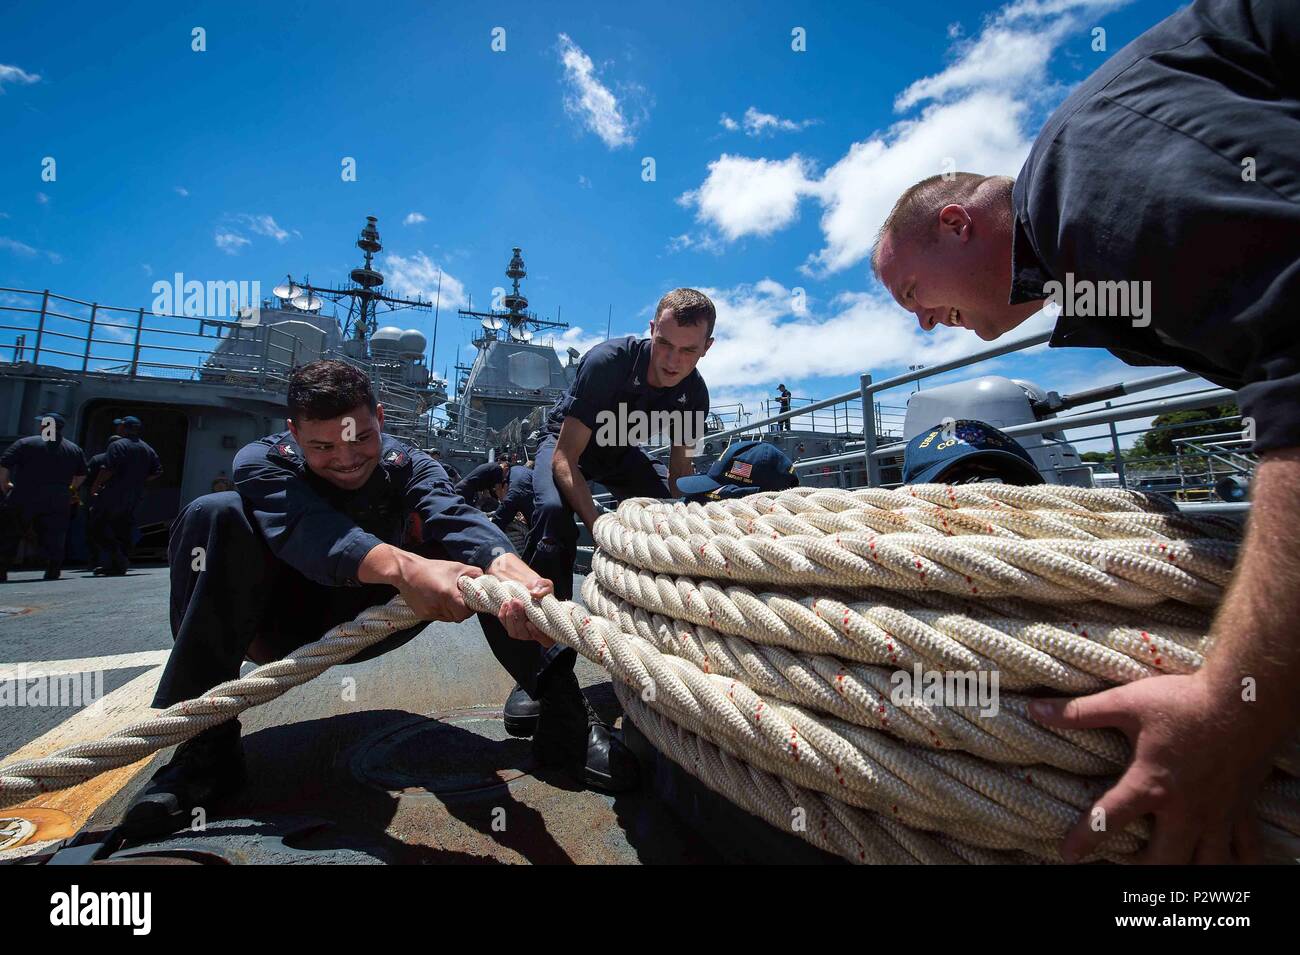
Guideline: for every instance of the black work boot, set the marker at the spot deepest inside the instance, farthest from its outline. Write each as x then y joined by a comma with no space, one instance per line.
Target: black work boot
53,571
570,736
203,769
521,712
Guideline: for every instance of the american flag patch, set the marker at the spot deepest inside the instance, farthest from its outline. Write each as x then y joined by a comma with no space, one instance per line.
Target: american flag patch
740,470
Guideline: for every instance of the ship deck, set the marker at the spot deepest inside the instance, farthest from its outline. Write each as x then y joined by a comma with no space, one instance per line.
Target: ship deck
413,767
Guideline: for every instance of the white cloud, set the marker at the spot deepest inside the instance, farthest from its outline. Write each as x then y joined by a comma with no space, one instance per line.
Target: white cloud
589,100
13,74
576,337
976,112
267,226
230,242
414,218
584,182
983,132
417,275
42,199
27,251
762,340
750,196
703,242
758,123
181,191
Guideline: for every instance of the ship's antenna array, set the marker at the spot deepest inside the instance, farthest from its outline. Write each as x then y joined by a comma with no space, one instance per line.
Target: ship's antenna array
364,298
516,323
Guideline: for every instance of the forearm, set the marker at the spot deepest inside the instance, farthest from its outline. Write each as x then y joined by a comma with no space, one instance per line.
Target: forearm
577,493
386,564
4,480
679,466
1256,645
77,481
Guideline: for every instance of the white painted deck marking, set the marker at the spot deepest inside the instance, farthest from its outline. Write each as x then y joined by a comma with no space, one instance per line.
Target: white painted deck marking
119,661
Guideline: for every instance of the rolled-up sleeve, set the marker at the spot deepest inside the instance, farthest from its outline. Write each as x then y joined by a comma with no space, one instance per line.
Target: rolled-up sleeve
464,532
300,527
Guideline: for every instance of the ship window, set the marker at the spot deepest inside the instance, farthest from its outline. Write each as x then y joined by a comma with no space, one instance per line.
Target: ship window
529,370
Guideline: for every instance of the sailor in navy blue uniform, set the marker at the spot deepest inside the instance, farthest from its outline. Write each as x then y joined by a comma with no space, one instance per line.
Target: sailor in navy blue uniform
485,477
326,520
96,518
1159,209
37,476
129,463
518,498
623,389
592,430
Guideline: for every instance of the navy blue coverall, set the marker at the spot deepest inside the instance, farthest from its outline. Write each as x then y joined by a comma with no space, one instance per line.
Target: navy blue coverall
1174,167
281,555
96,532
485,477
41,472
518,499
129,462
611,379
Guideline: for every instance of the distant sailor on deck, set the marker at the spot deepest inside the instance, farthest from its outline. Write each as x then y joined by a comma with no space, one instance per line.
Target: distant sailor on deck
485,477
518,499
38,474
329,518
96,524
129,464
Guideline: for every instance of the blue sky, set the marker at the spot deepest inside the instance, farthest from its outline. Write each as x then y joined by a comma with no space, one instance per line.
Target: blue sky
773,168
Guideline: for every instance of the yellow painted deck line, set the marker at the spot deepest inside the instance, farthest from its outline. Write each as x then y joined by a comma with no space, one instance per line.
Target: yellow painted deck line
126,705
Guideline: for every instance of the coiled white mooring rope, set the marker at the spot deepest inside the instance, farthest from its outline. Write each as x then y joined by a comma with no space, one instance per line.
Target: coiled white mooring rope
754,642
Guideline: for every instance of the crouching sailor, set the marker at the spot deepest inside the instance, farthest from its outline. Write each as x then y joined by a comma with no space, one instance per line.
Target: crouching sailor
327,519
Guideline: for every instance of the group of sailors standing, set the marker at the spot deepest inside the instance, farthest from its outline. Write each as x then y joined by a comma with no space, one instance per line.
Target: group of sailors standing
41,477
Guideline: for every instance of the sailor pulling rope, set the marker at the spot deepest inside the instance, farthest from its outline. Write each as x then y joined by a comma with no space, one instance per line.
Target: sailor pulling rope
758,642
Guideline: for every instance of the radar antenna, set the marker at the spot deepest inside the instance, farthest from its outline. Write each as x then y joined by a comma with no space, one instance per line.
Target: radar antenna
364,298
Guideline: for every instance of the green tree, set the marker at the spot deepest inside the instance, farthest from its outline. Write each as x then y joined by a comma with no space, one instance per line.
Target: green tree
1186,424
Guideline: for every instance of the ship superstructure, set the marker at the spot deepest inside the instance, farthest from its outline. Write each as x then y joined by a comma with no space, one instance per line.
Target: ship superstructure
208,381
515,376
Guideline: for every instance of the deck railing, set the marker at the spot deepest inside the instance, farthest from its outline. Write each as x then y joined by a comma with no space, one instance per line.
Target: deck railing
42,328
862,462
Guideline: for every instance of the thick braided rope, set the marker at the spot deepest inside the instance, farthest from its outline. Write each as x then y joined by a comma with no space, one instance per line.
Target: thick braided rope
863,695
1127,572
1080,649
856,834
935,509
990,805
76,764
835,826
923,790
